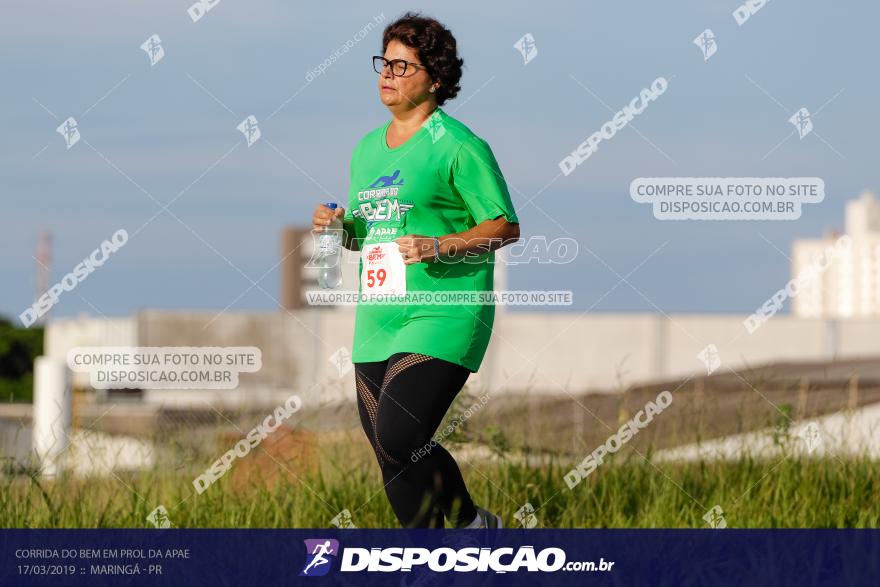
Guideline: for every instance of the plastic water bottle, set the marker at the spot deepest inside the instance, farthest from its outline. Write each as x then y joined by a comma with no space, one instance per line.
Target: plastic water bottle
329,253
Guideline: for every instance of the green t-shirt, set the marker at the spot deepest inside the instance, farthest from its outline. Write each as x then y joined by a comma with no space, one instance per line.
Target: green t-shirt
442,180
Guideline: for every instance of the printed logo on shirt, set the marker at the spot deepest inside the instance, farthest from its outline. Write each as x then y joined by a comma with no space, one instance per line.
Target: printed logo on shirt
384,210
385,181
381,232
380,203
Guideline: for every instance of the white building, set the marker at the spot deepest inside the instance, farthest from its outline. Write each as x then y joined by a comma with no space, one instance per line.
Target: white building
849,287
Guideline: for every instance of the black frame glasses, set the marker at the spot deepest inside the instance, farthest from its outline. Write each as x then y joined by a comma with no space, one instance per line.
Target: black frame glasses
398,66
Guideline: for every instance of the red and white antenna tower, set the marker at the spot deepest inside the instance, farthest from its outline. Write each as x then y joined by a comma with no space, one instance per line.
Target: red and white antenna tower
44,259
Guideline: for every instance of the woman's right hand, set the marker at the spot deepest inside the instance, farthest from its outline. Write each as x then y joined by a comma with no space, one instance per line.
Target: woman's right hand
324,215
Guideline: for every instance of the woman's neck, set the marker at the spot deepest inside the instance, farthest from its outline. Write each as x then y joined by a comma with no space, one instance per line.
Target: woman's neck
412,118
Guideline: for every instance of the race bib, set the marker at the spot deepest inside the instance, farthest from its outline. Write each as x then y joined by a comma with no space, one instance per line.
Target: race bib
383,270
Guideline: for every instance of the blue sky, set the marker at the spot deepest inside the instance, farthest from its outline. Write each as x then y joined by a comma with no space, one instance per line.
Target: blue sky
162,129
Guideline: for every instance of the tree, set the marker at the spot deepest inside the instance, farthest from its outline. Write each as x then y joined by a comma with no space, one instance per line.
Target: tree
18,349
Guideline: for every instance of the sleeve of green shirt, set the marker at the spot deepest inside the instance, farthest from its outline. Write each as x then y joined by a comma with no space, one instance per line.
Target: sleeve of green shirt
478,180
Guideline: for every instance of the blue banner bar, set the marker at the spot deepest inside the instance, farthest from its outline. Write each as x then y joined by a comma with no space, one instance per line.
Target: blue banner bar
436,557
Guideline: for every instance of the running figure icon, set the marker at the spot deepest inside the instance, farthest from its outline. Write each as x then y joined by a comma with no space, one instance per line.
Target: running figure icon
321,549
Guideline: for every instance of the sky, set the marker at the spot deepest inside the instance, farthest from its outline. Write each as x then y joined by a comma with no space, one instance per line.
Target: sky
154,135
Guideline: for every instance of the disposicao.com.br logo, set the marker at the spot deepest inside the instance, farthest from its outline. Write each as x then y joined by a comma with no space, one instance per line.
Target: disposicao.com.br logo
472,558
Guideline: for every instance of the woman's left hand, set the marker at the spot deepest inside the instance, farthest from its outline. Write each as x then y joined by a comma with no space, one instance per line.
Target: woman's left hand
415,248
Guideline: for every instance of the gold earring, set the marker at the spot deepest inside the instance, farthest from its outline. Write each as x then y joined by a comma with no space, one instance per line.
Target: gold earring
432,89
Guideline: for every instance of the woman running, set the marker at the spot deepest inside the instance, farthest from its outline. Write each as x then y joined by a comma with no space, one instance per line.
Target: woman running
425,192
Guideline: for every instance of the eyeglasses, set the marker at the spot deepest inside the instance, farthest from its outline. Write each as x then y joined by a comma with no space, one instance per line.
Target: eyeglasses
398,66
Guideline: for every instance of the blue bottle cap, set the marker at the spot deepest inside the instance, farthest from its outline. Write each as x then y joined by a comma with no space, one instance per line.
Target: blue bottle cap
331,205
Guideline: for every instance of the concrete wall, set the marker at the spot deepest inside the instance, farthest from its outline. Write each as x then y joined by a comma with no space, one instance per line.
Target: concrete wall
308,351
572,352
64,334
547,352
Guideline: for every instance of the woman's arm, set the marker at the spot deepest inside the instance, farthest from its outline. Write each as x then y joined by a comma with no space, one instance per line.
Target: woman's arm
487,236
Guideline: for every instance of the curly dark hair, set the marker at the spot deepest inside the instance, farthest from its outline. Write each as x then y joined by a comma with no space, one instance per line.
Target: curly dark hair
435,46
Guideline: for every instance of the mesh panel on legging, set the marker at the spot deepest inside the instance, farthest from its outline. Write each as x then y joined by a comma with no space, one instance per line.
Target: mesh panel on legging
399,418
366,377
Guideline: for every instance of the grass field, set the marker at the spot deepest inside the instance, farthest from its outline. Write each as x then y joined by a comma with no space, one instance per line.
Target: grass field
305,475
627,493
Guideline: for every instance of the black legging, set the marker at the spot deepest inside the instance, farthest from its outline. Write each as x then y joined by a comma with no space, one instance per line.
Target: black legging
401,402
